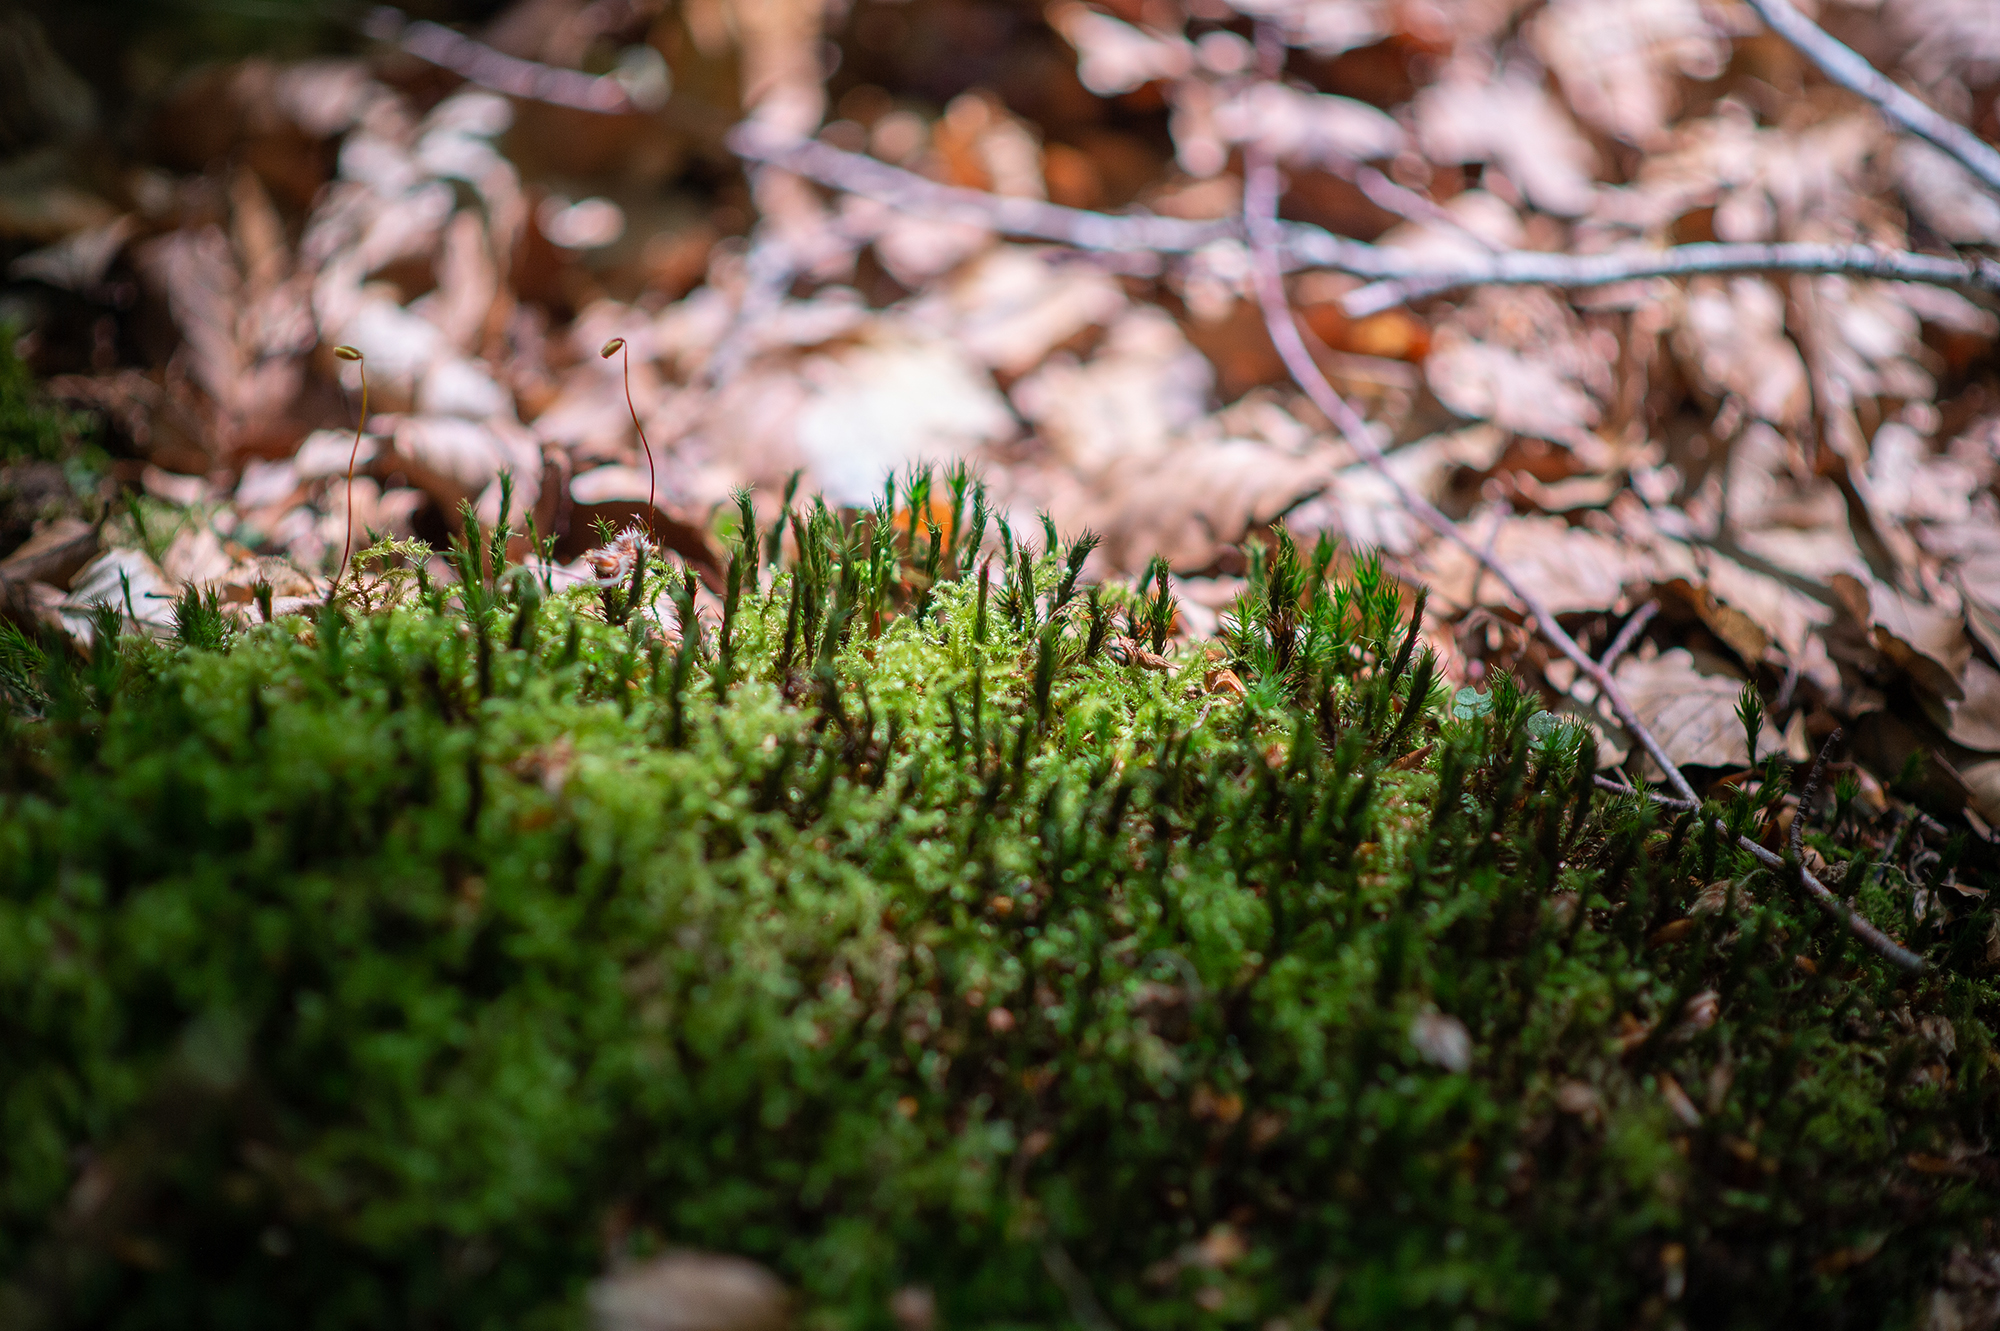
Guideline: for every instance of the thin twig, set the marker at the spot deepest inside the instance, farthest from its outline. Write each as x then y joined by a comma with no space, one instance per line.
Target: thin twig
1851,71
1629,634
1876,941
1407,203
496,71
1529,267
909,192
1394,275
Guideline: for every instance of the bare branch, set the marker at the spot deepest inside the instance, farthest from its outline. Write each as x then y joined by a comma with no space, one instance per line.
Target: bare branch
909,192
1846,67
1528,267
1396,275
481,65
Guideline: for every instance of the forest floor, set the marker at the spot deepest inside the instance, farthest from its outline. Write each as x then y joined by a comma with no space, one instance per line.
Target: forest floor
1655,339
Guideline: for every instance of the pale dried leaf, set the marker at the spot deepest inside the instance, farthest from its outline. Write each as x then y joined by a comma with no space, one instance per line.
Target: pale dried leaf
1512,122
1731,333
107,579
1982,783
400,347
458,386
1791,618
1327,27
1691,712
1945,195
1192,501
1012,306
1525,394
1570,569
454,460
892,399
1949,39
1124,405
1975,718
196,556
1442,1040
1115,57
1929,641
1620,61
1907,482
1306,127
690,1291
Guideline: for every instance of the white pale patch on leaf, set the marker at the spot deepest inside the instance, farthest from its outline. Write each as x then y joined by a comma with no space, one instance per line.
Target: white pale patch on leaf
1294,125
1115,57
1512,122
882,404
1620,62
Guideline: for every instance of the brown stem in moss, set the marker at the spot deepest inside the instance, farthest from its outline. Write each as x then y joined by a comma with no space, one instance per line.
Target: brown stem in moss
611,348
353,455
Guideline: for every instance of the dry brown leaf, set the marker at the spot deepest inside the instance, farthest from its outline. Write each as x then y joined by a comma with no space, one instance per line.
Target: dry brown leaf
1124,405
1293,125
1193,501
1329,27
1907,482
78,262
1469,116
1791,619
1795,182
897,396
1739,631
107,580
455,460
1948,39
1571,569
1975,718
1620,62
915,248
1731,334
1485,382
1691,711
1977,585
1522,359
1012,306
1927,641
52,555
196,557
1945,195
1982,784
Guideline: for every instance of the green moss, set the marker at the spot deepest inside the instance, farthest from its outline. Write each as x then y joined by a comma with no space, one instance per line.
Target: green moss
403,967
30,429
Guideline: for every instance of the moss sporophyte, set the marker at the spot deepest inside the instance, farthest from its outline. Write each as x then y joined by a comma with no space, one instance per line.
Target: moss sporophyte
904,919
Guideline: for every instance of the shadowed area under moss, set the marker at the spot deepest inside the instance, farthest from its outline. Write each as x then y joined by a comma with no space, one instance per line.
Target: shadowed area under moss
911,928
